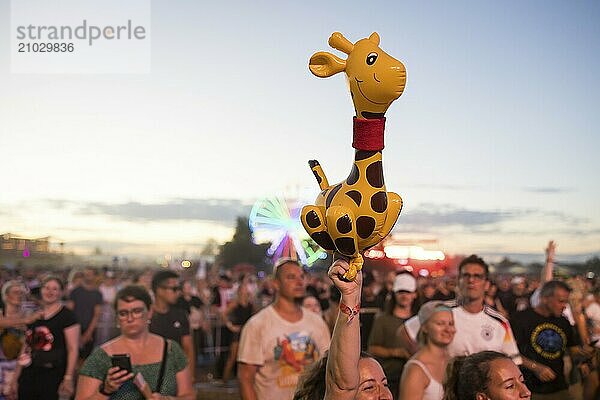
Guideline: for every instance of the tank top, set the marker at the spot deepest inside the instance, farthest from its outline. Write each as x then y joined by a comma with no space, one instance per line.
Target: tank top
433,391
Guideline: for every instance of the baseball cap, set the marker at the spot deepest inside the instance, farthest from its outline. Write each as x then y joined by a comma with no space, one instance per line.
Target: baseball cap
517,280
405,282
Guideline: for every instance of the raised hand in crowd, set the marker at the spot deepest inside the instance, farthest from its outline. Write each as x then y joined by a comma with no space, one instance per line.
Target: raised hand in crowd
349,375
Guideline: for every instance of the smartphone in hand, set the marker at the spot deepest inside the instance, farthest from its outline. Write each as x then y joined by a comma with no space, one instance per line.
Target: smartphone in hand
122,361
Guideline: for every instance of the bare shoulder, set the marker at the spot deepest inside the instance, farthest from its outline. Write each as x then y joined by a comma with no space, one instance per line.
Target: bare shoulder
155,340
111,346
413,372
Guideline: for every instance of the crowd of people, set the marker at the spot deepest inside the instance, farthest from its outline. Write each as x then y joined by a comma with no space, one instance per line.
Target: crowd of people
300,335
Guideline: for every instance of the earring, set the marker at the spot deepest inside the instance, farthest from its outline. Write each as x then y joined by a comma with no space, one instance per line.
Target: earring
118,325
149,321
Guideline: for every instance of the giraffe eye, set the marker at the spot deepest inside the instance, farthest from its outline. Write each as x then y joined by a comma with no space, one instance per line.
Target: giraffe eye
371,58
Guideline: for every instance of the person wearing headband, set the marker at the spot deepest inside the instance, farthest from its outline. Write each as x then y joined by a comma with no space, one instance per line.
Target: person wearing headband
424,373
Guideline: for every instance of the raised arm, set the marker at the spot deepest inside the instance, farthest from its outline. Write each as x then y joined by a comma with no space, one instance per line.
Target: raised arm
548,269
546,274
9,322
342,377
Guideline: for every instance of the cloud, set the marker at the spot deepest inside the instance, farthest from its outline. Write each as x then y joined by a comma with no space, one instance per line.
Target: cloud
565,218
178,209
433,215
547,190
442,186
580,232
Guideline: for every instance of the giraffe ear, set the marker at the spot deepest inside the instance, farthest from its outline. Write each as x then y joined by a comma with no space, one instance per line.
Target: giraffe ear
324,65
374,38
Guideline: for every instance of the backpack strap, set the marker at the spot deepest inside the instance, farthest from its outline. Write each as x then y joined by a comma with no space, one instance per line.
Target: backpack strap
163,365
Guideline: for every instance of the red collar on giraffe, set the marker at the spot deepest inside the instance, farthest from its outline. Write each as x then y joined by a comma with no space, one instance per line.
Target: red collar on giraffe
368,134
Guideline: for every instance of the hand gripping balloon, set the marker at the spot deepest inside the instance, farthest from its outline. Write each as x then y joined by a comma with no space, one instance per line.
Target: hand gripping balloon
357,213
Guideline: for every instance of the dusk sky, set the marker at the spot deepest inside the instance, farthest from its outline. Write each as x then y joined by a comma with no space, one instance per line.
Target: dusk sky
493,145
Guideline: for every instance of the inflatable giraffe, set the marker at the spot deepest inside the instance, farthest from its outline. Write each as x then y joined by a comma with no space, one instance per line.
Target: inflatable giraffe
358,213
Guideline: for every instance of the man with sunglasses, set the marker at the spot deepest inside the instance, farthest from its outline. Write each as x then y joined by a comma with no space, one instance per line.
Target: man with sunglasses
167,320
478,326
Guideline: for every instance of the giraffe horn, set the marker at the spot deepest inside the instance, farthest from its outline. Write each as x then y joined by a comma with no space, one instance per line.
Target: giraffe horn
339,42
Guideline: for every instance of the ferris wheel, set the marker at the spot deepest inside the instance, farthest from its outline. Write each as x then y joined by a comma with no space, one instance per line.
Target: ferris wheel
277,220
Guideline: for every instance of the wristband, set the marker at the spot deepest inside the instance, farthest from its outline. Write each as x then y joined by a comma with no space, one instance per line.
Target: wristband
351,312
68,377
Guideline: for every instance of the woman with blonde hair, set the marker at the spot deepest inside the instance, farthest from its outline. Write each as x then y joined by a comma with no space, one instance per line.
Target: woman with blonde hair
52,347
13,321
424,372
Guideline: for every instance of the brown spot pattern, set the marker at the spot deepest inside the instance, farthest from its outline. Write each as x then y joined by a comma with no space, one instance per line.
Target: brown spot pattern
364,154
324,240
379,202
375,174
354,175
355,195
312,219
317,177
345,245
365,226
331,194
344,224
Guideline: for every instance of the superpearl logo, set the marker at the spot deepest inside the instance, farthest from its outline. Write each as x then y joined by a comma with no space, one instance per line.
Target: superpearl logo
80,36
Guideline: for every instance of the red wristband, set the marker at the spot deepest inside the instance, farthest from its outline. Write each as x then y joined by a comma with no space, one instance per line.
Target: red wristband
351,312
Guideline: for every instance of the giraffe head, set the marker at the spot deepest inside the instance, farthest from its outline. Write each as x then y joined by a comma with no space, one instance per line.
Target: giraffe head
376,79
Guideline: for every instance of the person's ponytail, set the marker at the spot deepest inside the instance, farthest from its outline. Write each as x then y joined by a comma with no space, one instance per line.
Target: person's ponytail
451,378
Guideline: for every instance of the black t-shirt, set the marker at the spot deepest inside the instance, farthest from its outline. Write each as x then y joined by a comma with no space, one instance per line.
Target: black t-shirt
172,325
443,297
187,305
514,304
543,340
84,302
47,339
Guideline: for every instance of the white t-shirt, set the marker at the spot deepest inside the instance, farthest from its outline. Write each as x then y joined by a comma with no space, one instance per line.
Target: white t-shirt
593,313
485,330
282,349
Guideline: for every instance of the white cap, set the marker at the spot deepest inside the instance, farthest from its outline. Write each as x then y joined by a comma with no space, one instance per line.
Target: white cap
517,280
404,282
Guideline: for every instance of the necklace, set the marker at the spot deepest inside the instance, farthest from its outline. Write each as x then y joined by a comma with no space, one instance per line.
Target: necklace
51,310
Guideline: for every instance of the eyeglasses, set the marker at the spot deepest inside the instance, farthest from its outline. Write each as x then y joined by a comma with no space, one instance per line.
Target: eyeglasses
136,313
173,288
476,277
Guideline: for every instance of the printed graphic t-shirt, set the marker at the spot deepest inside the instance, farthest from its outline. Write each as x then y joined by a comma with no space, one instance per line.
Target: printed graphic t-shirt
282,349
50,348
543,340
